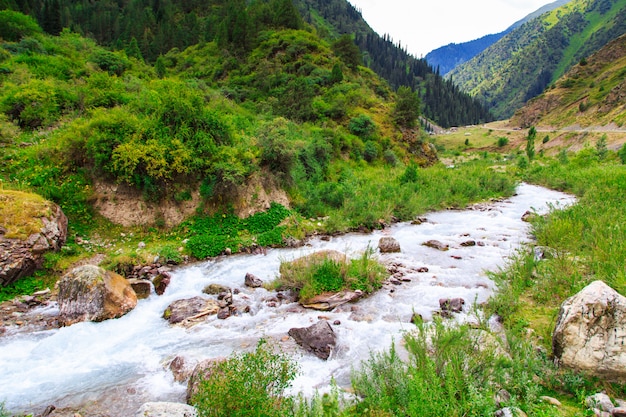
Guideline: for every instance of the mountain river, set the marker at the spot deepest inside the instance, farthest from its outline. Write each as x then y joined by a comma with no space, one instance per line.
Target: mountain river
111,368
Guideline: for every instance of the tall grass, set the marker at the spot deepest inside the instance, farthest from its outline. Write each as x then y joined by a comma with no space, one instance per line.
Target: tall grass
370,197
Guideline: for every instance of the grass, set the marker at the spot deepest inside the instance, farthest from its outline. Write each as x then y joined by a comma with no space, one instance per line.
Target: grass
330,271
21,213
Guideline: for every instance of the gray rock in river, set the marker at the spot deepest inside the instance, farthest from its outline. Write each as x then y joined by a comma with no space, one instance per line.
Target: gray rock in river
318,339
190,309
388,244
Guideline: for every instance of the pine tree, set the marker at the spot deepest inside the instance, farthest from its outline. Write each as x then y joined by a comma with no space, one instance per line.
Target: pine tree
132,50
407,108
347,51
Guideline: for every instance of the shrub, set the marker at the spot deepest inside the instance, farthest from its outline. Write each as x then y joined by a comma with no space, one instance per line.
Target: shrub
370,153
109,61
410,174
248,384
390,157
14,26
502,141
362,126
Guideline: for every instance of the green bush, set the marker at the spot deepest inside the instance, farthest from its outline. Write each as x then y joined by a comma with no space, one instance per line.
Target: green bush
502,141
622,154
248,384
362,126
112,62
15,26
410,174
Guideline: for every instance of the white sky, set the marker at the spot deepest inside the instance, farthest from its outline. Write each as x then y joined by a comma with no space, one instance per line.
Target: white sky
424,25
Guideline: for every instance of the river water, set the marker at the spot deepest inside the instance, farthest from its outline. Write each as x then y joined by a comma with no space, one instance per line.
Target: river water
115,366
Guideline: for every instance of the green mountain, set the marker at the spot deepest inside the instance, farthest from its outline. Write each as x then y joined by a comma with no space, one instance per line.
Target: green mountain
523,63
449,56
148,29
590,94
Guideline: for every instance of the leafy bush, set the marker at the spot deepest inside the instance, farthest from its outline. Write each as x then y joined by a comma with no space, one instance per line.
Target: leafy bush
248,384
371,151
211,235
502,141
112,62
15,26
38,103
362,126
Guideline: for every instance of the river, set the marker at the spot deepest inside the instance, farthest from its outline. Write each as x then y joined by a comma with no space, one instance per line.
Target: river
113,367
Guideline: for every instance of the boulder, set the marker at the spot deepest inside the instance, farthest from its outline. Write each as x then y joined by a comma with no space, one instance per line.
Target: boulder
20,256
142,287
253,281
590,333
328,301
510,412
161,282
90,293
388,244
190,309
599,401
201,372
318,339
435,244
215,289
451,305
165,409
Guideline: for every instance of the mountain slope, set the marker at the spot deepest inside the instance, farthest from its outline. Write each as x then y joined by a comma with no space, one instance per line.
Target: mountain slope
592,93
451,55
147,30
442,101
523,63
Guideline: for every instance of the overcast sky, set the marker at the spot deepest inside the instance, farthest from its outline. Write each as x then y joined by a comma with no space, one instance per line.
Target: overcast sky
424,25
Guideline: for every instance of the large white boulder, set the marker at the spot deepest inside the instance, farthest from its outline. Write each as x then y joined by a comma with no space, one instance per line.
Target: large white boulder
590,333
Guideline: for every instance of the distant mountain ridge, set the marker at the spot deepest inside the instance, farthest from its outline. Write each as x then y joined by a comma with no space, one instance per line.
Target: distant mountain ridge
523,63
449,56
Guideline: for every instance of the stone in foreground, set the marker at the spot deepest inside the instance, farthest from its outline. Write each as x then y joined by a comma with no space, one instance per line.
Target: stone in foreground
591,331
90,293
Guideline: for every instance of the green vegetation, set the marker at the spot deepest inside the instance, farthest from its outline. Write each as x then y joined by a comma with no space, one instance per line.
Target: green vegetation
210,236
522,64
325,272
585,96
247,384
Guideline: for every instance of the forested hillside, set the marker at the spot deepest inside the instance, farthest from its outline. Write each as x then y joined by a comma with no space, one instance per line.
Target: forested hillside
523,63
443,102
204,122
148,29
592,93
